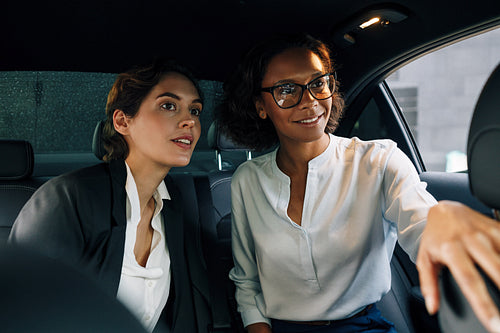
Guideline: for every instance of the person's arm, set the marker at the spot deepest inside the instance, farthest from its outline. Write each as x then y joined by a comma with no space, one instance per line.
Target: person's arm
452,235
406,201
245,273
459,238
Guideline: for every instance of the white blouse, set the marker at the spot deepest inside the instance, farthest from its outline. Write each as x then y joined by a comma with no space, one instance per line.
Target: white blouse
360,197
144,290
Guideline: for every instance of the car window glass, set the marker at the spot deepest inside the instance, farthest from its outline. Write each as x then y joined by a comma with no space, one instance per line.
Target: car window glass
54,111
58,111
437,95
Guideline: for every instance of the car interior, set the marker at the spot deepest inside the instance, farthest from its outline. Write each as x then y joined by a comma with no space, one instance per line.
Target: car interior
56,51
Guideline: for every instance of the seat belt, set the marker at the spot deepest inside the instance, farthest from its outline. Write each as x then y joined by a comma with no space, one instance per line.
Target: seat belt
217,278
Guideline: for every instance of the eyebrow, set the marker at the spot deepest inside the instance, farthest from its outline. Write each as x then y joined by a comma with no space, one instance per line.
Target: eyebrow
314,75
174,96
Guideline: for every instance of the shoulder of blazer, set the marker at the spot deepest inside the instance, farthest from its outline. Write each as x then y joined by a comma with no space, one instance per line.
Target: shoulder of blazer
84,178
95,188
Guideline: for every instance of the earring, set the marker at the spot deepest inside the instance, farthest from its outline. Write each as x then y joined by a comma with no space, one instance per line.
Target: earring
262,114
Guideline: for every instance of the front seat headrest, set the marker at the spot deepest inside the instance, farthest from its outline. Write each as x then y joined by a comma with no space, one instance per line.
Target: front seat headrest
483,147
483,158
219,141
97,142
18,159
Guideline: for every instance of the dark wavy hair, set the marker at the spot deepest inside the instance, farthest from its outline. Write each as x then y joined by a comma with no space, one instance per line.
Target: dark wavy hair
128,92
238,118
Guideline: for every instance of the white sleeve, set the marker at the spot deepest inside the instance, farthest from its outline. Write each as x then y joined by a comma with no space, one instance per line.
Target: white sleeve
245,272
407,202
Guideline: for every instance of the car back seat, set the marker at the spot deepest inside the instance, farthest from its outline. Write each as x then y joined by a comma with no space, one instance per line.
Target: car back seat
16,183
214,200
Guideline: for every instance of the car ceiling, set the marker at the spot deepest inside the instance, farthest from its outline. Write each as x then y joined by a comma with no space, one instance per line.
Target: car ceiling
211,36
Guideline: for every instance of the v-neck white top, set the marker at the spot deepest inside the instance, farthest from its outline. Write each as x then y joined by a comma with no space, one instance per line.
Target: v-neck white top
360,197
144,290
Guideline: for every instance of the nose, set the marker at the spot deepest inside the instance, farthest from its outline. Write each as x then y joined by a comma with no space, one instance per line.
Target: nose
307,98
187,123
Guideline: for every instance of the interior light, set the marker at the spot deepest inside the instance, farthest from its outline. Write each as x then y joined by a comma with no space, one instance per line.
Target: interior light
357,26
369,22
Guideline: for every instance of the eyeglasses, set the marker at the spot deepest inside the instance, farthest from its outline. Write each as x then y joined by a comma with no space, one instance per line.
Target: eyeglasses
288,95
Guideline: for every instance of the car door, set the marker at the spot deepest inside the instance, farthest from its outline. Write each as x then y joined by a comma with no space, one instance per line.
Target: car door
426,107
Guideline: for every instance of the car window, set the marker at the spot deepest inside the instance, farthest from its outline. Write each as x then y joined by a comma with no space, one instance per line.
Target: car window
57,113
437,95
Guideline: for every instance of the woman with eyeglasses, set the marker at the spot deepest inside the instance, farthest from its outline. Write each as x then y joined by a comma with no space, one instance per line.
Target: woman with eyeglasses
314,221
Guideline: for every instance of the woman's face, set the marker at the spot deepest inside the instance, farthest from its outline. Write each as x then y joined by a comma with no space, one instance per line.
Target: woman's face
166,127
306,121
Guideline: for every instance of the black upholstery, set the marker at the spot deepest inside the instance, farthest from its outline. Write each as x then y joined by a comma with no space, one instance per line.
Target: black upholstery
483,157
439,184
483,147
97,142
218,141
16,185
216,231
43,295
18,159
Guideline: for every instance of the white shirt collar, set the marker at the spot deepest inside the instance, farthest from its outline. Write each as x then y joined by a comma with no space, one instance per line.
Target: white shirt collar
160,194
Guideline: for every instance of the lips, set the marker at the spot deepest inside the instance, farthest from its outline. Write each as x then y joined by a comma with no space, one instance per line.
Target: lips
310,120
185,140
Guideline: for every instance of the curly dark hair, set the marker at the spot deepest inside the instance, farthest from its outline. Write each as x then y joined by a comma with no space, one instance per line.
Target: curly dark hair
128,92
238,118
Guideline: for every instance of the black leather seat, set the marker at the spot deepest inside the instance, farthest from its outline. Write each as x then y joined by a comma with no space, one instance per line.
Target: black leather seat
16,184
483,158
214,200
40,294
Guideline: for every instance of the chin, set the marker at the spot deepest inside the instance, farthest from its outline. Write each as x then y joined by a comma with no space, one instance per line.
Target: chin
181,162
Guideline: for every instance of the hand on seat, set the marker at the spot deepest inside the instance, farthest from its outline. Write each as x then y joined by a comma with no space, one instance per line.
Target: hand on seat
460,238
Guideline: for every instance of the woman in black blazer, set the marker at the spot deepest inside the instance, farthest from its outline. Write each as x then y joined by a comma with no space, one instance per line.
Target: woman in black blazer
121,221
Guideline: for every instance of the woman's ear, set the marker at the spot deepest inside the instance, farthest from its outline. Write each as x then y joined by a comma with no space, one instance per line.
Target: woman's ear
259,106
121,122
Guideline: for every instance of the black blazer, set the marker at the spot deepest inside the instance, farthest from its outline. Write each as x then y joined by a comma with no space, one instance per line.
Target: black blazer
80,219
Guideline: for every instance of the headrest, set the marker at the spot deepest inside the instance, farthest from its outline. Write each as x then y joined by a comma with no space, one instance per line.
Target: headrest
483,147
219,141
97,142
18,159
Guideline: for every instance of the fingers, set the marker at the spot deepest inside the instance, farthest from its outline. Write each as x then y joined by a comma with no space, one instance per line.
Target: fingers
471,284
461,239
428,273
483,252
